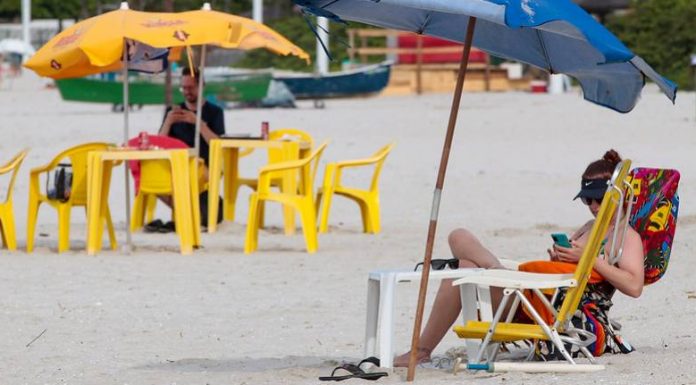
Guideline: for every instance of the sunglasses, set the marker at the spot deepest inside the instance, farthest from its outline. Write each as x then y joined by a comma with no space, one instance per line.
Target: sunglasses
588,201
440,264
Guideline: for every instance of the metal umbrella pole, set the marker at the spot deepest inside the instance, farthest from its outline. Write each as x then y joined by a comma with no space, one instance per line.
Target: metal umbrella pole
436,198
126,135
199,101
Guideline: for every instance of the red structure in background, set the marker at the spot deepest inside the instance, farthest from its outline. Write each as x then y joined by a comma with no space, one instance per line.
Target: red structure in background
411,41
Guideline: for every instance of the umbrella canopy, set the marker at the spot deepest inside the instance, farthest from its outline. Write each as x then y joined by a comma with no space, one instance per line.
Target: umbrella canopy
554,35
96,45
15,46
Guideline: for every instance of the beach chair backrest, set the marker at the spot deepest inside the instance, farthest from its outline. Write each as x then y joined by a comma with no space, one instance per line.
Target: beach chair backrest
613,201
380,156
276,155
654,216
11,166
161,141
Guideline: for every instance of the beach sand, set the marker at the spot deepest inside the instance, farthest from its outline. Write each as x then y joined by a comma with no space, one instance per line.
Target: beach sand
281,316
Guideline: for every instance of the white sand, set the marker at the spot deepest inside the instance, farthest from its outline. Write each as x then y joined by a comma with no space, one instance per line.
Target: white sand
281,316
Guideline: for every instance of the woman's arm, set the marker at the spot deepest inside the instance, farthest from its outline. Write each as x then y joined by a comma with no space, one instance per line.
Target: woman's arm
628,275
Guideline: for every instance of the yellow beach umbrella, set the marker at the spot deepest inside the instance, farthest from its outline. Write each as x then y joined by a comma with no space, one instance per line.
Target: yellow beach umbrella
96,45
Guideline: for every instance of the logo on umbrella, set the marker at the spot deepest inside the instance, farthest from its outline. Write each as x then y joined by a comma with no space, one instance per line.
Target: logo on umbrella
181,35
68,39
55,65
157,23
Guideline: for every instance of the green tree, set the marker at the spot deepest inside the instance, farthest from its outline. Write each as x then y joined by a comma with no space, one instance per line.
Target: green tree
663,33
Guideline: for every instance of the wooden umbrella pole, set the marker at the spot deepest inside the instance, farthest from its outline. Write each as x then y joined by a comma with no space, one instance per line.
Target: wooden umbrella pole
436,198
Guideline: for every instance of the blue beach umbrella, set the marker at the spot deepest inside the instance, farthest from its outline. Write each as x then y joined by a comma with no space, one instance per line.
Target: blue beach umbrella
554,35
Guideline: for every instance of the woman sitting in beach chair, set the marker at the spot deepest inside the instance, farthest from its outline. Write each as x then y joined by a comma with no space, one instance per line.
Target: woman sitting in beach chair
625,275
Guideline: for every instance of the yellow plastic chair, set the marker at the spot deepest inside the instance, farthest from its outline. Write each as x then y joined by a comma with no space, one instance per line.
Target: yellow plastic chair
368,200
7,222
78,195
156,179
516,283
274,156
301,200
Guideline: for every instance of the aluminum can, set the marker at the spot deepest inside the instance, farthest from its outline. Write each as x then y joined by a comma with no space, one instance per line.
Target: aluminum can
264,130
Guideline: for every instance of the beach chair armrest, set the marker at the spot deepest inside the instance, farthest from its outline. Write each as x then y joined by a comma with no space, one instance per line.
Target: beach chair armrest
518,280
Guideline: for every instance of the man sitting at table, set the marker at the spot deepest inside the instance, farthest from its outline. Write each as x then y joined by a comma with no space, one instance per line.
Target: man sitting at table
180,122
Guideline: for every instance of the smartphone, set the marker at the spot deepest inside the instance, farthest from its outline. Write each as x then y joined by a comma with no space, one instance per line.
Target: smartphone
561,239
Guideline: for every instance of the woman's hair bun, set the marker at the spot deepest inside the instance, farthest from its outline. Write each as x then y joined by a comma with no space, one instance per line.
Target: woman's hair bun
612,157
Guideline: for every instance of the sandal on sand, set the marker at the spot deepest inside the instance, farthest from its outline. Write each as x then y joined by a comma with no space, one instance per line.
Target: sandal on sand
154,226
355,371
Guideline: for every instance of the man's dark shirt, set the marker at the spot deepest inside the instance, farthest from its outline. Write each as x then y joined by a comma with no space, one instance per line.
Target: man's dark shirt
212,115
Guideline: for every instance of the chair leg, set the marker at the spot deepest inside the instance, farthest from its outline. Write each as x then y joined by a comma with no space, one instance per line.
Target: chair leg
229,209
372,212
32,214
64,227
365,216
252,230
151,205
261,217
324,198
309,225
110,228
7,228
141,200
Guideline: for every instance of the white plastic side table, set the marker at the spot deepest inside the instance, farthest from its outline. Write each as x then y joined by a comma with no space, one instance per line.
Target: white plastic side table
381,286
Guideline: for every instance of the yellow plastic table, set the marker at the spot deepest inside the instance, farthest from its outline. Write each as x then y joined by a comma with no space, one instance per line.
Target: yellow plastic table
224,156
184,196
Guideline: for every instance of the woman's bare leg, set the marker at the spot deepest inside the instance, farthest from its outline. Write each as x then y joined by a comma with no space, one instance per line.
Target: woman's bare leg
447,305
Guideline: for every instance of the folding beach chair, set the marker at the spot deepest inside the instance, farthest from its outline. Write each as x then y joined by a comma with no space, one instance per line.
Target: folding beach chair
516,283
654,216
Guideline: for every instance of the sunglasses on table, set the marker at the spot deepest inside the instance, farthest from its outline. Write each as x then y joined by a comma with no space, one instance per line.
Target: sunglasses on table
440,264
588,201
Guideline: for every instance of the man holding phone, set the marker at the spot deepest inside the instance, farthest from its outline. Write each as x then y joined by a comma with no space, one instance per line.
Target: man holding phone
180,123
180,120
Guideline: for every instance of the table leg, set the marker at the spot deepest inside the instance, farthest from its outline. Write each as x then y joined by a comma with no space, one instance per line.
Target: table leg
231,166
214,172
467,294
195,204
182,200
93,205
104,201
372,316
386,317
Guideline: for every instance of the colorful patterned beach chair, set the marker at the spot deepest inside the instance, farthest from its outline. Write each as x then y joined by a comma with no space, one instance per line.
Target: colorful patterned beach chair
654,216
653,204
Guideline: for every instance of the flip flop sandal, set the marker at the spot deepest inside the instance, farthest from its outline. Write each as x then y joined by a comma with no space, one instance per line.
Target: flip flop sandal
355,372
154,226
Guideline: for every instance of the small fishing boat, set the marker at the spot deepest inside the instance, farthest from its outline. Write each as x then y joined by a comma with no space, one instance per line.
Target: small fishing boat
238,88
361,81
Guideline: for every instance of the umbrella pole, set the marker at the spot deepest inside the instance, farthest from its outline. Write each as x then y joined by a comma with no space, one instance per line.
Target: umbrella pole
199,102
126,135
436,199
